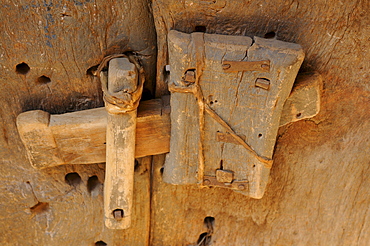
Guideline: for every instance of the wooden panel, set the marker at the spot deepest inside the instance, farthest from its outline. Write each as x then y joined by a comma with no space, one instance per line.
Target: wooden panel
248,109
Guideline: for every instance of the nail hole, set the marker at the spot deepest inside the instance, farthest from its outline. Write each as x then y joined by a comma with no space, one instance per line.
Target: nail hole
40,207
216,101
100,243
92,70
200,29
260,135
299,115
22,68
93,185
43,79
211,102
254,165
118,214
269,35
73,179
161,170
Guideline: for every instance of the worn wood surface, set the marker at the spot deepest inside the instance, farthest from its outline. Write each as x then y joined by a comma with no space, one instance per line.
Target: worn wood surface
80,137
120,146
304,100
318,192
248,109
62,40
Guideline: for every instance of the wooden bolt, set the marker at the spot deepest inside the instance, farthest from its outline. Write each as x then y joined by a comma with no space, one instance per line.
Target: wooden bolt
120,147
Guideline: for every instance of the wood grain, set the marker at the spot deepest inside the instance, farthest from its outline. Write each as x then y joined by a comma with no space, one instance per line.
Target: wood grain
318,194
249,110
80,137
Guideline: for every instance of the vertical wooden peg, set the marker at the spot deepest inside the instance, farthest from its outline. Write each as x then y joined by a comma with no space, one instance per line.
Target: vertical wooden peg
120,146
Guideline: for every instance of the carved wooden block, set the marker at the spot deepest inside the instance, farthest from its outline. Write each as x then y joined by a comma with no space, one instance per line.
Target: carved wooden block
249,98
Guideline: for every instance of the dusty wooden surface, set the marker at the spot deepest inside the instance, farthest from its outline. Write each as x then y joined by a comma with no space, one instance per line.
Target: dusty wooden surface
80,137
62,40
120,146
318,192
249,110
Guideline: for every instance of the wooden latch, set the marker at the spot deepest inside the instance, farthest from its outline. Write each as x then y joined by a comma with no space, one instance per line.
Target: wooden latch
232,125
122,81
250,99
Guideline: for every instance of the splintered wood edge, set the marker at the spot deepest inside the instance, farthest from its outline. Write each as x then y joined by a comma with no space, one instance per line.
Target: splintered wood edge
153,126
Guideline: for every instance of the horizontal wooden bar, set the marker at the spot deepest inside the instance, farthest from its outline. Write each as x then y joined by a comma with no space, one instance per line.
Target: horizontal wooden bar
79,137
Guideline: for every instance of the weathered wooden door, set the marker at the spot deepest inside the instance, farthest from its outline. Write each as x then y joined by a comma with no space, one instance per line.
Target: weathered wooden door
318,191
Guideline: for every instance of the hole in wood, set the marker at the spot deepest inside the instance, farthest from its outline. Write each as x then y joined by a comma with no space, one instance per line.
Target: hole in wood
209,221
92,70
269,35
73,179
100,243
118,214
22,68
137,165
202,240
200,29
93,185
40,207
147,95
260,135
43,79
299,115
205,238
161,170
